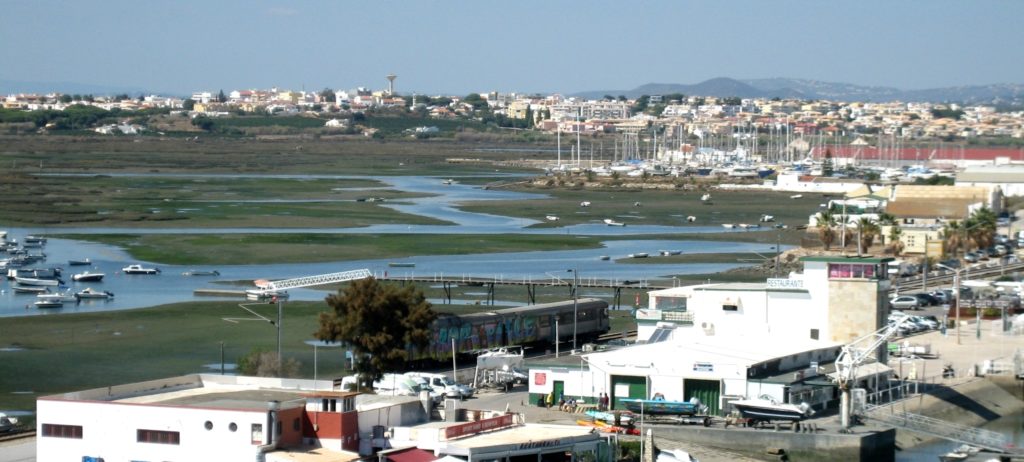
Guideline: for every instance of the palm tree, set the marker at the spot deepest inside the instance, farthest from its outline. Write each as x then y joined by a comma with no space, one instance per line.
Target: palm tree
826,222
885,219
981,227
895,244
952,234
868,230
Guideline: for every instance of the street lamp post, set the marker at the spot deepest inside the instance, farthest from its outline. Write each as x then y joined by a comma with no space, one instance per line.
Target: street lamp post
956,294
575,301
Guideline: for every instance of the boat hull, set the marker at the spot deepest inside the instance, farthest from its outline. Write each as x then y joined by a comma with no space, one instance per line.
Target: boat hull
769,412
36,282
88,277
659,407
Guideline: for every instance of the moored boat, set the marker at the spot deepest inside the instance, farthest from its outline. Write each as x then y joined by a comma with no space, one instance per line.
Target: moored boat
139,269
37,281
20,289
201,273
610,222
84,262
728,225
90,293
49,301
638,255
86,276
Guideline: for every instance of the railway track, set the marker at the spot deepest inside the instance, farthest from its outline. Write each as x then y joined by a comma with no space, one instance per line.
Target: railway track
17,435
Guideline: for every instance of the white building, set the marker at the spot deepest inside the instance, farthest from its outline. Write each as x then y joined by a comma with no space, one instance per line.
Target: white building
196,417
720,342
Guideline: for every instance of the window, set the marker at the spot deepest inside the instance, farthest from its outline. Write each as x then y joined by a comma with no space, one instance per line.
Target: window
63,431
157,436
846,271
295,424
232,426
257,434
730,308
670,303
814,334
208,425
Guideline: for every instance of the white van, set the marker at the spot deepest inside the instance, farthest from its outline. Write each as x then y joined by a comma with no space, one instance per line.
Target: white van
443,385
396,384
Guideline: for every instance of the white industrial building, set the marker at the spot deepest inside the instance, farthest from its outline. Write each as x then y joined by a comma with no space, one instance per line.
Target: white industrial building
719,342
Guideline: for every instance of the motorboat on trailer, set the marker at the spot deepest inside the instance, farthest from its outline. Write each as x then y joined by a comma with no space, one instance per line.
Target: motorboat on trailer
86,276
766,409
139,269
661,407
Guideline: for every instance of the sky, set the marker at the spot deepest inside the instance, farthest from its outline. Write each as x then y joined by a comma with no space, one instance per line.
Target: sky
553,46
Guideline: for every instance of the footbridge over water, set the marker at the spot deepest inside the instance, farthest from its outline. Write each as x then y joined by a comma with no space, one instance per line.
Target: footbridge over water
964,434
531,284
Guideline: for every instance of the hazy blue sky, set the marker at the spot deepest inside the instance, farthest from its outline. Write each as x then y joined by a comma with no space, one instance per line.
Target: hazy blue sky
512,45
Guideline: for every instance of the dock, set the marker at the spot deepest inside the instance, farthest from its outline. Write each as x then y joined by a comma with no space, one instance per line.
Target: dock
219,293
531,284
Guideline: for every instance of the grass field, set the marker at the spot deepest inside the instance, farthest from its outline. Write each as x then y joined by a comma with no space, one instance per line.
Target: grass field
44,354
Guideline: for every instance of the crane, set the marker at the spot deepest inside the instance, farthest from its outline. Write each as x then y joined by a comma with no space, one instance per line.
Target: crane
266,288
852,356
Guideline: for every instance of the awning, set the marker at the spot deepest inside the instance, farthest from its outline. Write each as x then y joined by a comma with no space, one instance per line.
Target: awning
411,455
866,370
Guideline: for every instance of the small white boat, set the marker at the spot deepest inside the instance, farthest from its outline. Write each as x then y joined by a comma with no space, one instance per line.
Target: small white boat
201,273
765,409
610,222
139,269
254,294
49,301
706,198
691,219
90,293
448,181
796,196
666,253
585,204
962,452
767,218
20,289
86,276
84,262
551,218
728,225
749,225
37,282
638,255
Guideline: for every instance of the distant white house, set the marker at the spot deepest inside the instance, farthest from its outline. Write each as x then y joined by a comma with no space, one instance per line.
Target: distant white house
337,123
124,129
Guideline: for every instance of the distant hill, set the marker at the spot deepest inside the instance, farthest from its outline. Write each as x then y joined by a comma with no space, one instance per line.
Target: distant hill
17,86
1008,93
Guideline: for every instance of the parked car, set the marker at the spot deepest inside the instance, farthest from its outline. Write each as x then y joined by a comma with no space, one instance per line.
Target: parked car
905,302
971,257
930,323
443,385
926,299
941,296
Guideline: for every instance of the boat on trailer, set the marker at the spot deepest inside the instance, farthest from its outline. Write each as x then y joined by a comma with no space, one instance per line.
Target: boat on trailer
766,409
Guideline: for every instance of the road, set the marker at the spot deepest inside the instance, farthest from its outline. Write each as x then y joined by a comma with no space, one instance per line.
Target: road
18,451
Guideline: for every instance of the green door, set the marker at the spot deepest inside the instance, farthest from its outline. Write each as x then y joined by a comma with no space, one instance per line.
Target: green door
559,388
707,391
627,386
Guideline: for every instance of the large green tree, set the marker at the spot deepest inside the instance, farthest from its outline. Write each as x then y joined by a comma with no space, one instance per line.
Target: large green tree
383,324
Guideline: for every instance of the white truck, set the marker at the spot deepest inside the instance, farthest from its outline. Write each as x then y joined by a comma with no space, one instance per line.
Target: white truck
443,385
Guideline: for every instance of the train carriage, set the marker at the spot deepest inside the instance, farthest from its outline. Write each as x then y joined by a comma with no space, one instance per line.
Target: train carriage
531,325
